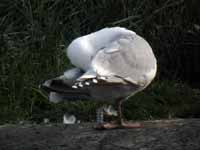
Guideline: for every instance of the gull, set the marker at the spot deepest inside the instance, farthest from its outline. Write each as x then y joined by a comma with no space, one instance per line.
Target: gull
111,64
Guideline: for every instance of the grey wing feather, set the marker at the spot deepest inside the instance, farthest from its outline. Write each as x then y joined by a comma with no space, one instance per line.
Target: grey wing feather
71,75
130,58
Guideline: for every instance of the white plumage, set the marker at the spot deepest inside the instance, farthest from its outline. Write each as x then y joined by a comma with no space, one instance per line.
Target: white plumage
83,49
111,64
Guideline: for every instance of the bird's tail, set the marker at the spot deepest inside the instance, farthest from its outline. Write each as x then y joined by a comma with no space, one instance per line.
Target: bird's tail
59,90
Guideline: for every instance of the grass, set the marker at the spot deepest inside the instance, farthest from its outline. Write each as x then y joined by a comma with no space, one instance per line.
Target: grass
34,34
163,99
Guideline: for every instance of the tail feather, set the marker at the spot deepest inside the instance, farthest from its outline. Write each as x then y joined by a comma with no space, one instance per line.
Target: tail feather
58,97
59,90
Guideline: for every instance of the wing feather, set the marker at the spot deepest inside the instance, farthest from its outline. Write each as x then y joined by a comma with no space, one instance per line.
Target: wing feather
133,60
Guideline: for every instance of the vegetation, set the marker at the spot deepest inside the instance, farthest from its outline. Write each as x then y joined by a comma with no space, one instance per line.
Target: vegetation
34,33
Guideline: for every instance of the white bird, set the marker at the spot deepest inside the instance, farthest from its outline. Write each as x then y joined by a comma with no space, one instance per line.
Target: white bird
112,64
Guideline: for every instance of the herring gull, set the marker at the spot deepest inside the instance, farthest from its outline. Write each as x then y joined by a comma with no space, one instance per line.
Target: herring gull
111,64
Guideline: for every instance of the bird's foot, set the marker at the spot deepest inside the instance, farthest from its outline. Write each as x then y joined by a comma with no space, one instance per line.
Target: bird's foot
110,125
131,125
117,125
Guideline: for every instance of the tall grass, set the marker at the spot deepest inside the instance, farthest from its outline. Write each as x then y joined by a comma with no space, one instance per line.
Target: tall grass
34,33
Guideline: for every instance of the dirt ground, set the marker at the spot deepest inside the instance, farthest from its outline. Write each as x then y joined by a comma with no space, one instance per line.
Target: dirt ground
155,135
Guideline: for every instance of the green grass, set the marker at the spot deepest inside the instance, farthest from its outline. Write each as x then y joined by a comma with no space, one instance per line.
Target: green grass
163,99
33,34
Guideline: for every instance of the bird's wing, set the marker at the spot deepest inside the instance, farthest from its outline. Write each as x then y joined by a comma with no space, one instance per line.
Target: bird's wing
63,82
61,87
126,60
129,58
72,74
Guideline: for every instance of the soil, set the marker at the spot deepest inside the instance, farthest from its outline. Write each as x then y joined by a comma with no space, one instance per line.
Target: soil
176,134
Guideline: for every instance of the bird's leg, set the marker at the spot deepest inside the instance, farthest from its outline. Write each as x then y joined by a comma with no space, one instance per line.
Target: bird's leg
119,111
113,124
100,120
100,115
120,123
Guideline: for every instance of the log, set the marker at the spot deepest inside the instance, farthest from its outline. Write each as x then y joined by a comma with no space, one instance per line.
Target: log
177,134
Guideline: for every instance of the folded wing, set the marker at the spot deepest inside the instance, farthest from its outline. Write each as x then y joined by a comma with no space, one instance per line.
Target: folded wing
129,58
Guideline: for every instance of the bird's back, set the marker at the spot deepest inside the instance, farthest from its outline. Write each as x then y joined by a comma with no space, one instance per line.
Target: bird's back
83,49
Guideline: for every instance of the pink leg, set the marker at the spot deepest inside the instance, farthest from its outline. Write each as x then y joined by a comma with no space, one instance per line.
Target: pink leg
119,123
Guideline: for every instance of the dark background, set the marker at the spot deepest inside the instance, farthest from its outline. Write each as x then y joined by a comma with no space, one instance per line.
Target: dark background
34,34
